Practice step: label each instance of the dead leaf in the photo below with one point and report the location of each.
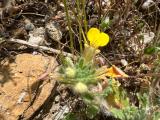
(115, 72)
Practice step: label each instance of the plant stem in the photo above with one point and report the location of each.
(69, 25)
(99, 11)
(80, 27)
(84, 13)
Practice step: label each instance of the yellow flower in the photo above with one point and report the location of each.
(97, 38)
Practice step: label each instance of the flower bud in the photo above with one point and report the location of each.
(80, 87)
(69, 61)
(89, 53)
(70, 72)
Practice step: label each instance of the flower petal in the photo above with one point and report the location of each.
(93, 35)
(103, 39)
(97, 38)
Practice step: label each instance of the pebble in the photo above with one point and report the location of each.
(53, 31)
(37, 36)
(148, 37)
(124, 62)
(28, 25)
(57, 99)
(147, 4)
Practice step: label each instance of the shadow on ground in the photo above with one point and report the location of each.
(6, 74)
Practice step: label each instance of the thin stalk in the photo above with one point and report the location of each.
(69, 25)
(80, 28)
(84, 13)
(99, 11)
(83, 34)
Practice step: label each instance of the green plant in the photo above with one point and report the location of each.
(82, 75)
(69, 24)
(78, 15)
(143, 112)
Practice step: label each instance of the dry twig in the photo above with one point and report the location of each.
(41, 47)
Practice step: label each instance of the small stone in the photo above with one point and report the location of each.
(62, 5)
(36, 40)
(53, 31)
(124, 62)
(57, 98)
(148, 37)
(36, 36)
(28, 25)
(147, 4)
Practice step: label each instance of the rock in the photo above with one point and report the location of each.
(62, 112)
(147, 4)
(57, 99)
(37, 36)
(53, 31)
(28, 25)
(148, 37)
(124, 62)
(19, 80)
